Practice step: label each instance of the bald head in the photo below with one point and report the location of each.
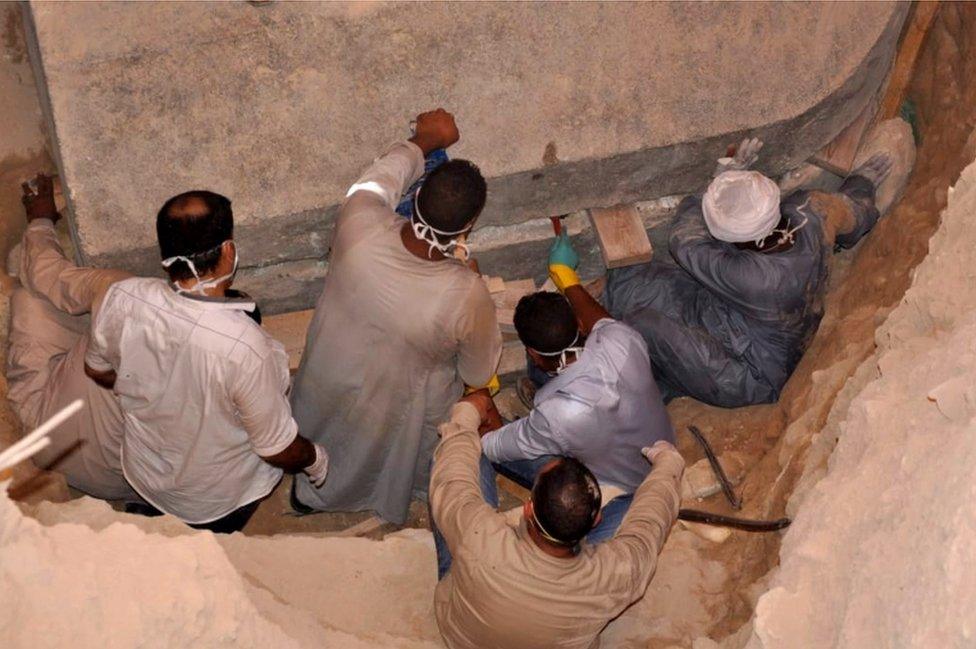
(194, 225)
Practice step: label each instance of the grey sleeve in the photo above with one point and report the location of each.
(524, 439)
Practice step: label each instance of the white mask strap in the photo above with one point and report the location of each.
(425, 232)
(787, 234)
(563, 354)
(201, 286)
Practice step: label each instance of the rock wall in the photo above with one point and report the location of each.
(880, 551)
(23, 141)
(565, 106)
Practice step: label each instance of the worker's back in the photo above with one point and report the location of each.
(503, 591)
(183, 364)
(393, 339)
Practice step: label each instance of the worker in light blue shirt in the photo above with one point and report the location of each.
(601, 406)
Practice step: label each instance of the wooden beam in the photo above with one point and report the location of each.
(623, 239)
(918, 23)
(838, 156)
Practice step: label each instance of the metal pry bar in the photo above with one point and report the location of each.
(723, 479)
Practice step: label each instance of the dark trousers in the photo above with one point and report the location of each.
(232, 522)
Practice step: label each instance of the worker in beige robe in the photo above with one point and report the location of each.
(401, 327)
(49, 322)
(534, 582)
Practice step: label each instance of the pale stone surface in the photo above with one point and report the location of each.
(565, 106)
(880, 550)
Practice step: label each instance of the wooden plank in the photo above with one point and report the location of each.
(838, 156)
(290, 330)
(494, 284)
(513, 488)
(506, 320)
(507, 300)
(918, 23)
(620, 231)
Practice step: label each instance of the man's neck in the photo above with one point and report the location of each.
(553, 550)
(418, 247)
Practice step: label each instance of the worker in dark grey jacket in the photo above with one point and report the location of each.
(728, 318)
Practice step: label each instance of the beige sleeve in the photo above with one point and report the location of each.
(479, 338)
(456, 502)
(384, 181)
(645, 528)
(45, 271)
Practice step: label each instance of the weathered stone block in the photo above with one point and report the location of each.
(564, 106)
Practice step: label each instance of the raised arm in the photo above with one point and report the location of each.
(563, 261)
(45, 270)
(456, 502)
(648, 522)
(391, 174)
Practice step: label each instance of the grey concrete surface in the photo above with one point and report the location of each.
(280, 105)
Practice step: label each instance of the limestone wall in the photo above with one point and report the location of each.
(564, 105)
(23, 142)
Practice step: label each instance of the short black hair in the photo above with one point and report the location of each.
(566, 499)
(194, 224)
(452, 196)
(545, 322)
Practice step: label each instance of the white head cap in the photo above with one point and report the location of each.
(741, 206)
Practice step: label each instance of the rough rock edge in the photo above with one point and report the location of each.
(934, 313)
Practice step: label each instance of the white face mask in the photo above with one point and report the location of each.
(426, 233)
(563, 354)
(201, 286)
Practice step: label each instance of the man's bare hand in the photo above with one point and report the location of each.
(490, 417)
(435, 130)
(39, 200)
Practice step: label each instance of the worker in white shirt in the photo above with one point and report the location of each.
(49, 308)
(202, 387)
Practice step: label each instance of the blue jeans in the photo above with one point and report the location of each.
(523, 472)
(489, 491)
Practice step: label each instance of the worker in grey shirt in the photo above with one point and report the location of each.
(601, 406)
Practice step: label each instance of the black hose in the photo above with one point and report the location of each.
(745, 524)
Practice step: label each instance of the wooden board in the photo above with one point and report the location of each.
(917, 26)
(290, 330)
(507, 300)
(838, 156)
(494, 284)
(623, 239)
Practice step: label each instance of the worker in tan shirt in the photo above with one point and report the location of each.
(534, 585)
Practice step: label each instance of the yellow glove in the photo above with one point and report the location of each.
(493, 385)
(563, 277)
